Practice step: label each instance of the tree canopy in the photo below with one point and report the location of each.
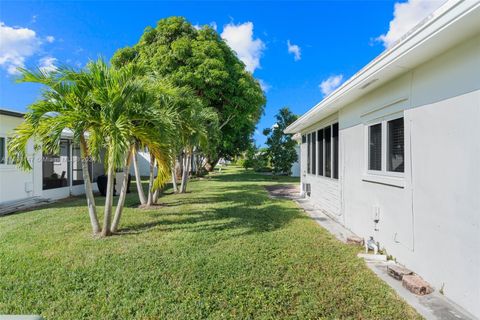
(202, 61)
(281, 147)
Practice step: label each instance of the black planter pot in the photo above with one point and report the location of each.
(129, 180)
(102, 184)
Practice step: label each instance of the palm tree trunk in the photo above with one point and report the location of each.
(186, 170)
(92, 209)
(150, 181)
(181, 162)
(210, 163)
(156, 195)
(108, 202)
(123, 192)
(138, 179)
(174, 177)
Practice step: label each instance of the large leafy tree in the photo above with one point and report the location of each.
(281, 147)
(202, 61)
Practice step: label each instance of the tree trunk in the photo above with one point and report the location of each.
(108, 202)
(198, 164)
(150, 181)
(186, 169)
(123, 192)
(156, 195)
(181, 162)
(210, 164)
(138, 179)
(174, 177)
(92, 209)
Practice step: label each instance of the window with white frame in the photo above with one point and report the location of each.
(322, 152)
(375, 147)
(314, 153)
(386, 146)
(327, 139)
(309, 151)
(9, 159)
(396, 147)
(335, 150)
(3, 152)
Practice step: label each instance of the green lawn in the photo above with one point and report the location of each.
(224, 250)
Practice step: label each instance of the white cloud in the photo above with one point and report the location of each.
(50, 39)
(240, 39)
(265, 86)
(407, 15)
(16, 45)
(212, 25)
(293, 48)
(329, 85)
(47, 64)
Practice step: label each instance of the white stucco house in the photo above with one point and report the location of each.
(295, 169)
(394, 152)
(52, 176)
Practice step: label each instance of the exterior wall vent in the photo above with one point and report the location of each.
(306, 189)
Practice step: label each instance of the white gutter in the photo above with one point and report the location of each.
(432, 25)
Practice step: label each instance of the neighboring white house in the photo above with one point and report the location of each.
(295, 169)
(394, 153)
(52, 176)
(143, 161)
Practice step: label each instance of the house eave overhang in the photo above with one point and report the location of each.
(11, 113)
(450, 24)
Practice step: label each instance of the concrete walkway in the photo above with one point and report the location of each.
(433, 306)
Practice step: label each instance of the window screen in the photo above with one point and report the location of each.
(375, 147)
(335, 150)
(314, 153)
(2, 150)
(309, 144)
(320, 152)
(328, 152)
(395, 155)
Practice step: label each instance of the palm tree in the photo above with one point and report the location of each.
(134, 110)
(114, 92)
(138, 179)
(196, 120)
(64, 105)
(152, 123)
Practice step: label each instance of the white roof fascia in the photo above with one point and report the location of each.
(416, 39)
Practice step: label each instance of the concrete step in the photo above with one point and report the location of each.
(416, 285)
(398, 272)
(356, 240)
(372, 257)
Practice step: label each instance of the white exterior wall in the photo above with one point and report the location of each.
(143, 160)
(430, 217)
(16, 184)
(295, 170)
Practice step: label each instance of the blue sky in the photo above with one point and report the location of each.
(292, 47)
